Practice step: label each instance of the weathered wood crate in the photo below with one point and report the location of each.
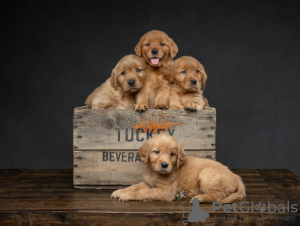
(106, 142)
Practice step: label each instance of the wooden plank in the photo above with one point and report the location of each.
(285, 183)
(61, 204)
(122, 167)
(128, 129)
(140, 218)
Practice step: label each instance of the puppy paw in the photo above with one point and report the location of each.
(182, 195)
(140, 107)
(162, 106)
(192, 107)
(118, 193)
(126, 197)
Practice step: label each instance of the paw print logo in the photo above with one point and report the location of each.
(261, 207)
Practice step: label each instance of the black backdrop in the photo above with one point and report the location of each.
(54, 53)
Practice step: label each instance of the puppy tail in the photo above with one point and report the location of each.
(238, 195)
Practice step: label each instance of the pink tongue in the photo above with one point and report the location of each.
(155, 60)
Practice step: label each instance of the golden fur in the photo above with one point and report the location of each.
(156, 91)
(205, 179)
(189, 76)
(116, 92)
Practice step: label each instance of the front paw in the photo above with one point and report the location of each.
(140, 107)
(118, 193)
(192, 107)
(162, 106)
(126, 197)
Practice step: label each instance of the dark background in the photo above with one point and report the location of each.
(54, 53)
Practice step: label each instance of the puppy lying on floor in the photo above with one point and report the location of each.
(158, 50)
(118, 92)
(186, 93)
(169, 171)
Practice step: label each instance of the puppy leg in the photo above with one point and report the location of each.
(141, 99)
(162, 100)
(213, 196)
(133, 188)
(158, 194)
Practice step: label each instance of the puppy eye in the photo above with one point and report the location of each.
(162, 44)
(183, 72)
(157, 152)
(123, 73)
(148, 44)
(172, 154)
(197, 71)
(138, 70)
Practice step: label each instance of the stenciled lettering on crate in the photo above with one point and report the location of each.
(106, 142)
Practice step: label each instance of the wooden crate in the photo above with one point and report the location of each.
(106, 142)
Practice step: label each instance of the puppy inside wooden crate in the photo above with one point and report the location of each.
(169, 171)
(189, 79)
(118, 92)
(158, 50)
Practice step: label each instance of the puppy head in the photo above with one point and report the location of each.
(129, 73)
(162, 153)
(189, 74)
(156, 47)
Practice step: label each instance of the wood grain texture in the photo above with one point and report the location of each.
(107, 129)
(47, 197)
(106, 142)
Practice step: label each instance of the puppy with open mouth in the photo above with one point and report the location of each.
(189, 78)
(158, 50)
(118, 92)
(168, 171)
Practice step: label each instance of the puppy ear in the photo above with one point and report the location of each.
(113, 79)
(181, 156)
(144, 150)
(204, 78)
(137, 49)
(173, 48)
(168, 72)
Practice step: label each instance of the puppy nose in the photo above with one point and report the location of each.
(154, 51)
(194, 82)
(131, 82)
(164, 165)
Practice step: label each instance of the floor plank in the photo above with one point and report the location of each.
(47, 197)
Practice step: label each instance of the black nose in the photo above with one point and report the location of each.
(194, 82)
(154, 51)
(131, 82)
(164, 165)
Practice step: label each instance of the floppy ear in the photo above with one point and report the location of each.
(137, 49)
(113, 79)
(181, 156)
(144, 150)
(168, 72)
(173, 48)
(204, 78)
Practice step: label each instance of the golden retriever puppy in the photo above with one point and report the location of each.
(189, 77)
(169, 171)
(118, 92)
(158, 50)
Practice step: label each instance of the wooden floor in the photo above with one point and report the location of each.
(47, 197)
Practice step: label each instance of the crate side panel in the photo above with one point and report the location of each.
(127, 129)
